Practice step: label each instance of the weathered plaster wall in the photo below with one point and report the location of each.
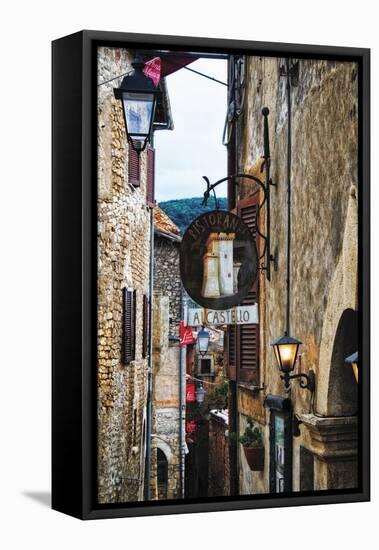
(166, 357)
(323, 215)
(123, 261)
(167, 277)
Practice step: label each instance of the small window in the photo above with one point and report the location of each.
(129, 326)
(205, 366)
(134, 167)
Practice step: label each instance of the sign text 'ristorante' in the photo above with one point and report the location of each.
(218, 260)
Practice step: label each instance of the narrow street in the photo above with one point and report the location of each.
(227, 275)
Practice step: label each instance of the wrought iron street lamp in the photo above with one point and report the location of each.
(202, 341)
(352, 360)
(286, 350)
(138, 95)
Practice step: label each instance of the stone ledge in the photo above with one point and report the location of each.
(332, 438)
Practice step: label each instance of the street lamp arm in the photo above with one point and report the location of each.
(306, 381)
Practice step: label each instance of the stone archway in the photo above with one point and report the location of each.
(339, 321)
(332, 428)
(342, 396)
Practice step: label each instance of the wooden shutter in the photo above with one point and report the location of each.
(248, 335)
(150, 183)
(129, 322)
(232, 342)
(145, 335)
(232, 351)
(134, 167)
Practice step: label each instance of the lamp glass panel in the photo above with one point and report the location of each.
(354, 366)
(203, 343)
(276, 350)
(287, 354)
(200, 394)
(203, 340)
(138, 109)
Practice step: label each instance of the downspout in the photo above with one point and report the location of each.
(289, 159)
(182, 371)
(147, 490)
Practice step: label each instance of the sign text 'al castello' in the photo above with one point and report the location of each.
(241, 315)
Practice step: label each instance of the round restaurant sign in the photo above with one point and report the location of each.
(218, 260)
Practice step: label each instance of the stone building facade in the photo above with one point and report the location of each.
(168, 378)
(124, 216)
(168, 417)
(323, 264)
(167, 241)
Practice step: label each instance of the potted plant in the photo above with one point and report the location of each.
(252, 443)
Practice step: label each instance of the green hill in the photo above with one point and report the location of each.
(183, 211)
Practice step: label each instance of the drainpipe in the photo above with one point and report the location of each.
(289, 159)
(182, 371)
(147, 491)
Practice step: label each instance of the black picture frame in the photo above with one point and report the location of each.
(74, 274)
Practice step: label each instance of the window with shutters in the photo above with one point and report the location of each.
(145, 335)
(134, 167)
(247, 336)
(150, 183)
(205, 366)
(129, 326)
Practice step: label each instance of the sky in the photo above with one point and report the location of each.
(194, 148)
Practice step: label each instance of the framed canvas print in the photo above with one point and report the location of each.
(210, 274)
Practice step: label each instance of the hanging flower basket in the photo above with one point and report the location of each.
(252, 443)
(255, 458)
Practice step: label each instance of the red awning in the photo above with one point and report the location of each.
(159, 67)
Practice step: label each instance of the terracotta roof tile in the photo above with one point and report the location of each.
(164, 223)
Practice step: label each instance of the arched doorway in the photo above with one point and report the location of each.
(342, 391)
(162, 474)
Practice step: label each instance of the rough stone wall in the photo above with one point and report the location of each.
(166, 357)
(123, 261)
(324, 189)
(167, 277)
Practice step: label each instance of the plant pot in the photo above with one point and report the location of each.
(255, 458)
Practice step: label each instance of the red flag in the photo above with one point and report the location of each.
(185, 335)
(152, 69)
(190, 392)
(157, 68)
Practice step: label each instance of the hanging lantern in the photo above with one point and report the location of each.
(202, 341)
(352, 361)
(286, 349)
(200, 394)
(138, 95)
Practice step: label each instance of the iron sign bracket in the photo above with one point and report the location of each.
(265, 187)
